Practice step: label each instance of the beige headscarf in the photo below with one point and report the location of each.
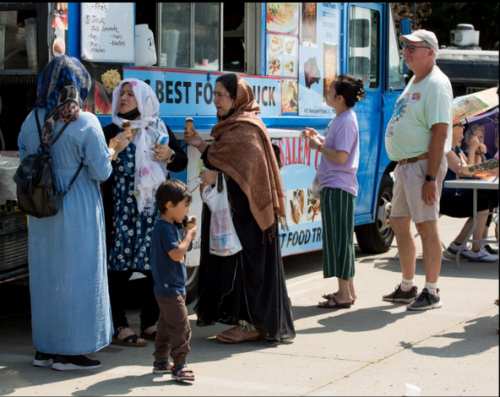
(242, 149)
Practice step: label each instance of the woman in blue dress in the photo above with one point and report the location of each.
(139, 166)
(67, 254)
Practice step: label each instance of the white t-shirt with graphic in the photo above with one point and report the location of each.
(420, 106)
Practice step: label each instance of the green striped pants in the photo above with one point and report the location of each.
(337, 214)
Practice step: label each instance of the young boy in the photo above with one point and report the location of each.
(169, 273)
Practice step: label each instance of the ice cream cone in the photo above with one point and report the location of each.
(189, 124)
(191, 222)
(127, 128)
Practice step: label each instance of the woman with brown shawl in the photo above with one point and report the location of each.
(246, 289)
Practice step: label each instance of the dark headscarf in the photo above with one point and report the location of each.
(62, 88)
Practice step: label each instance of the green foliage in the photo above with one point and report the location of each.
(441, 18)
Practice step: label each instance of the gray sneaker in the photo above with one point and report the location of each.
(425, 301)
(401, 296)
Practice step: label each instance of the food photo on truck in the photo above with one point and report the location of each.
(288, 52)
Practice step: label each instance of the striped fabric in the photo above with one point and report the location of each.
(337, 213)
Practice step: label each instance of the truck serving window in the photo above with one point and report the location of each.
(210, 36)
(190, 35)
(364, 27)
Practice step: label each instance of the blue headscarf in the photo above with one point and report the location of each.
(62, 88)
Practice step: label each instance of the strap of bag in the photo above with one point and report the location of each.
(40, 132)
(54, 141)
(73, 179)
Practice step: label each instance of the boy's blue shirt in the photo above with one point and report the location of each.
(169, 276)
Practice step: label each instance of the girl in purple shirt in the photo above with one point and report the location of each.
(339, 187)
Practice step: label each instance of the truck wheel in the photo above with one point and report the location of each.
(192, 283)
(377, 237)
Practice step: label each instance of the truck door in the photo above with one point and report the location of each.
(364, 61)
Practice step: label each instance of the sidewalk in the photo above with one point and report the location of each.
(374, 348)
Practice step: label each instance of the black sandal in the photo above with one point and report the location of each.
(130, 340)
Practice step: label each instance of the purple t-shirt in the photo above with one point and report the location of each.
(342, 134)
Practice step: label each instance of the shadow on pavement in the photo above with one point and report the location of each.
(358, 320)
(485, 271)
(125, 385)
(471, 341)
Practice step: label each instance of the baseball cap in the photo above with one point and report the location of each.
(422, 35)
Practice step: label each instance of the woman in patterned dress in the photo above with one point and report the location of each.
(129, 193)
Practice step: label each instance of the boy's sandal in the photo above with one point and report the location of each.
(164, 367)
(131, 340)
(179, 373)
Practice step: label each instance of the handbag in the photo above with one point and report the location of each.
(223, 238)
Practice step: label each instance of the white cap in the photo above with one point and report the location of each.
(422, 35)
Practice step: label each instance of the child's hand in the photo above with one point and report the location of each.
(190, 233)
(474, 145)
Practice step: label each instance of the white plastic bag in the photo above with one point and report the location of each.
(223, 238)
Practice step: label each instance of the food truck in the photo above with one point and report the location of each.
(468, 66)
(289, 53)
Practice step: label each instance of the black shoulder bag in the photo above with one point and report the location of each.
(37, 194)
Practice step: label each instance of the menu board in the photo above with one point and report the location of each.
(319, 56)
(108, 32)
(282, 26)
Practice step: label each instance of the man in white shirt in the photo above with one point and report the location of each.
(418, 137)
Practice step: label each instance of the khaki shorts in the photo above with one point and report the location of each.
(407, 192)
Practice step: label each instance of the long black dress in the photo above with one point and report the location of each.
(249, 285)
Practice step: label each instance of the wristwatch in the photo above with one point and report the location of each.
(171, 157)
(429, 178)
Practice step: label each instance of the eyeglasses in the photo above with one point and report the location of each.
(220, 95)
(411, 48)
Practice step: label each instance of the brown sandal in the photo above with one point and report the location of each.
(242, 337)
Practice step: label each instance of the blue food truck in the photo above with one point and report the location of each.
(288, 52)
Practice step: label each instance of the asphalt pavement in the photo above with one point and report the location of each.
(372, 349)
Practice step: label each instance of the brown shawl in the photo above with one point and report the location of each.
(242, 149)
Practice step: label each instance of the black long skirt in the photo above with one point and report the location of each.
(249, 285)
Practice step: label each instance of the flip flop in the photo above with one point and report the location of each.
(327, 305)
(329, 296)
(130, 340)
(223, 339)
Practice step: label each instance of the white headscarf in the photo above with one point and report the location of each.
(149, 172)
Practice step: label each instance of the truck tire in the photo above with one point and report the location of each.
(376, 238)
(192, 283)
